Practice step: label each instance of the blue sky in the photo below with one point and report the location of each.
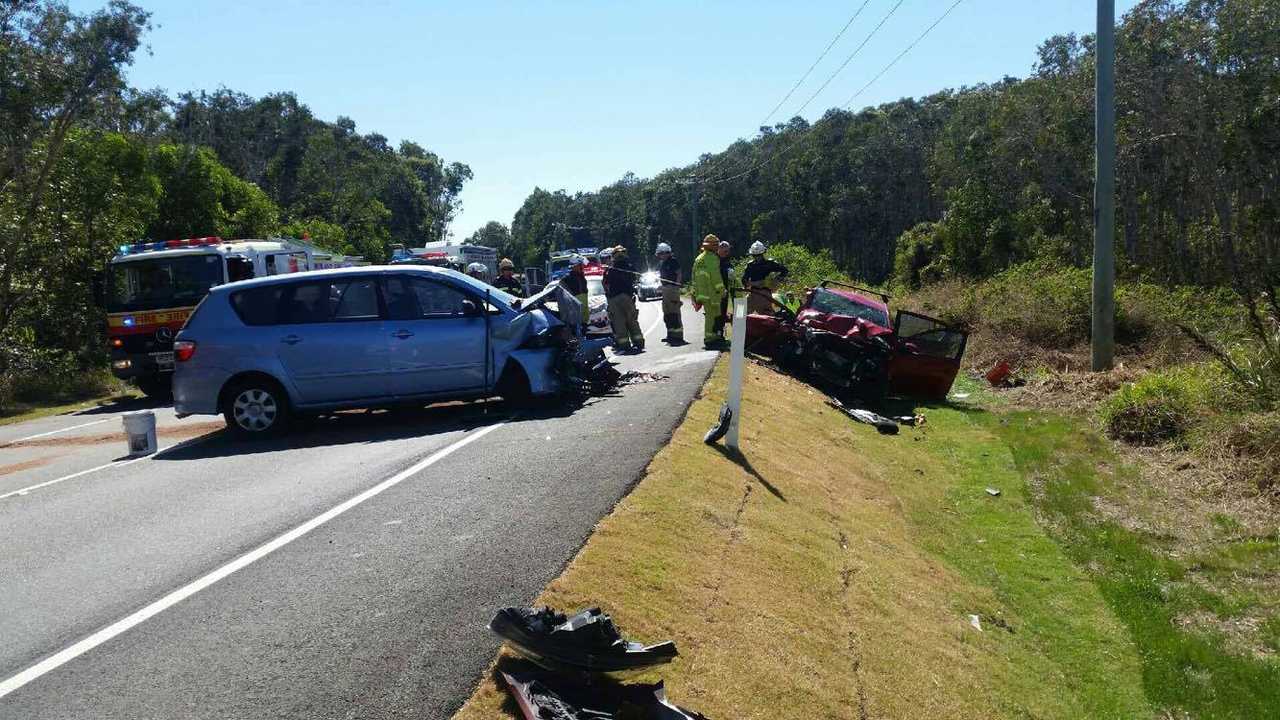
(573, 94)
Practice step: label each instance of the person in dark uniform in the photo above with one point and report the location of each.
(761, 278)
(507, 280)
(672, 281)
(620, 290)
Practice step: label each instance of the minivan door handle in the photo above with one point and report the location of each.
(402, 334)
(291, 339)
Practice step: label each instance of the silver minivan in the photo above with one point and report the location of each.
(261, 350)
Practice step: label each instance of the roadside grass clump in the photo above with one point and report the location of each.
(1163, 405)
(1254, 440)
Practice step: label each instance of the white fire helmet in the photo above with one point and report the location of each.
(757, 248)
(662, 248)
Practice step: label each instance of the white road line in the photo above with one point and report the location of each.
(114, 463)
(120, 626)
(654, 326)
(55, 432)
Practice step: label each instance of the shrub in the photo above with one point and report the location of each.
(806, 267)
(1039, 302)
(33, 374)
(1162, 405)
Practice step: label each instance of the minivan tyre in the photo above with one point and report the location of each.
(256, 408)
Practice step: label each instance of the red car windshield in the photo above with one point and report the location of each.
(826, 301)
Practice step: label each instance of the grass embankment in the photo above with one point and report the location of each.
(832, 572)
(55, 395)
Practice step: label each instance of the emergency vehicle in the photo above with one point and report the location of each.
(558, 265)
(153, 287)
(449, 254)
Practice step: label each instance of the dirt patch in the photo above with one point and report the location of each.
(1239, 633)
(184, 431)
(25, 465)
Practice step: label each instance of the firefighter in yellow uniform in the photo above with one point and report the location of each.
(710, 293)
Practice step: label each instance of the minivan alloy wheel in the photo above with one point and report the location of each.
(255, 409)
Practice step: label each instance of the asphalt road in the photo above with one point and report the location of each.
(344, 571)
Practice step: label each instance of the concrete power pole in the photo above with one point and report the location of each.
(1104, 192)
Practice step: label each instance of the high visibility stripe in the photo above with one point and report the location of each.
(154, 318)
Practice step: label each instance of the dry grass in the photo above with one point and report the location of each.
(797, 584)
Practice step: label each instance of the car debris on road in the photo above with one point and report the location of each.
(585, 642)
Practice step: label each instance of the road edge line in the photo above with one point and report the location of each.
(53, 662)
(114, 463)
(55, 432)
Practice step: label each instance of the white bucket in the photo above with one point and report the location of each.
(140, 431)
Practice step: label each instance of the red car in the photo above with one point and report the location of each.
(843, 335)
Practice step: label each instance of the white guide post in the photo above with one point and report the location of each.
(737, 359)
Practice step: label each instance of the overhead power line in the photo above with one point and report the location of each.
(833, 75)
(851, 100)
(715, 166)
(852, 55)
(804, 77)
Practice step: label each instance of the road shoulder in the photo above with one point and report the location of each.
(832, 572)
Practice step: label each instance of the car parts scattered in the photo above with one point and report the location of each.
(587, 641)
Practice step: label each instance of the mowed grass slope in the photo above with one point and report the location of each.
(832, 572)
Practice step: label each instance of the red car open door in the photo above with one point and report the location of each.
(927, 358)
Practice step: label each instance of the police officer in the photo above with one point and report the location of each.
(761, 278)
(620, 291)
(506, 279)
(672, 278)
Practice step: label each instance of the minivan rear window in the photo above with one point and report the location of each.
(259, 305)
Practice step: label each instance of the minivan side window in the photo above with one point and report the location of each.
(411, 298)
(259, 305)
(338, 300)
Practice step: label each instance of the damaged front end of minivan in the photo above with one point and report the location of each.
(545, 354)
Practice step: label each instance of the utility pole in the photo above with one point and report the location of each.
(693, 207)
(1104, 191)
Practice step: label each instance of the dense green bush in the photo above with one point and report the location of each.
(1163, 405)
(806, 267)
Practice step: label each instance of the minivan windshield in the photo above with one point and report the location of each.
(163, 282)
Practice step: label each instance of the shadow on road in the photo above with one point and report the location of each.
(372, 426)
(124, 403)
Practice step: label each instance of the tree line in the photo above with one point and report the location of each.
(88, 163)
(967, 182)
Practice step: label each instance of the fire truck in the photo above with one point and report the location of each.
(153, 287)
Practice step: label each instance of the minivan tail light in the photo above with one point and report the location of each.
(183, 350)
